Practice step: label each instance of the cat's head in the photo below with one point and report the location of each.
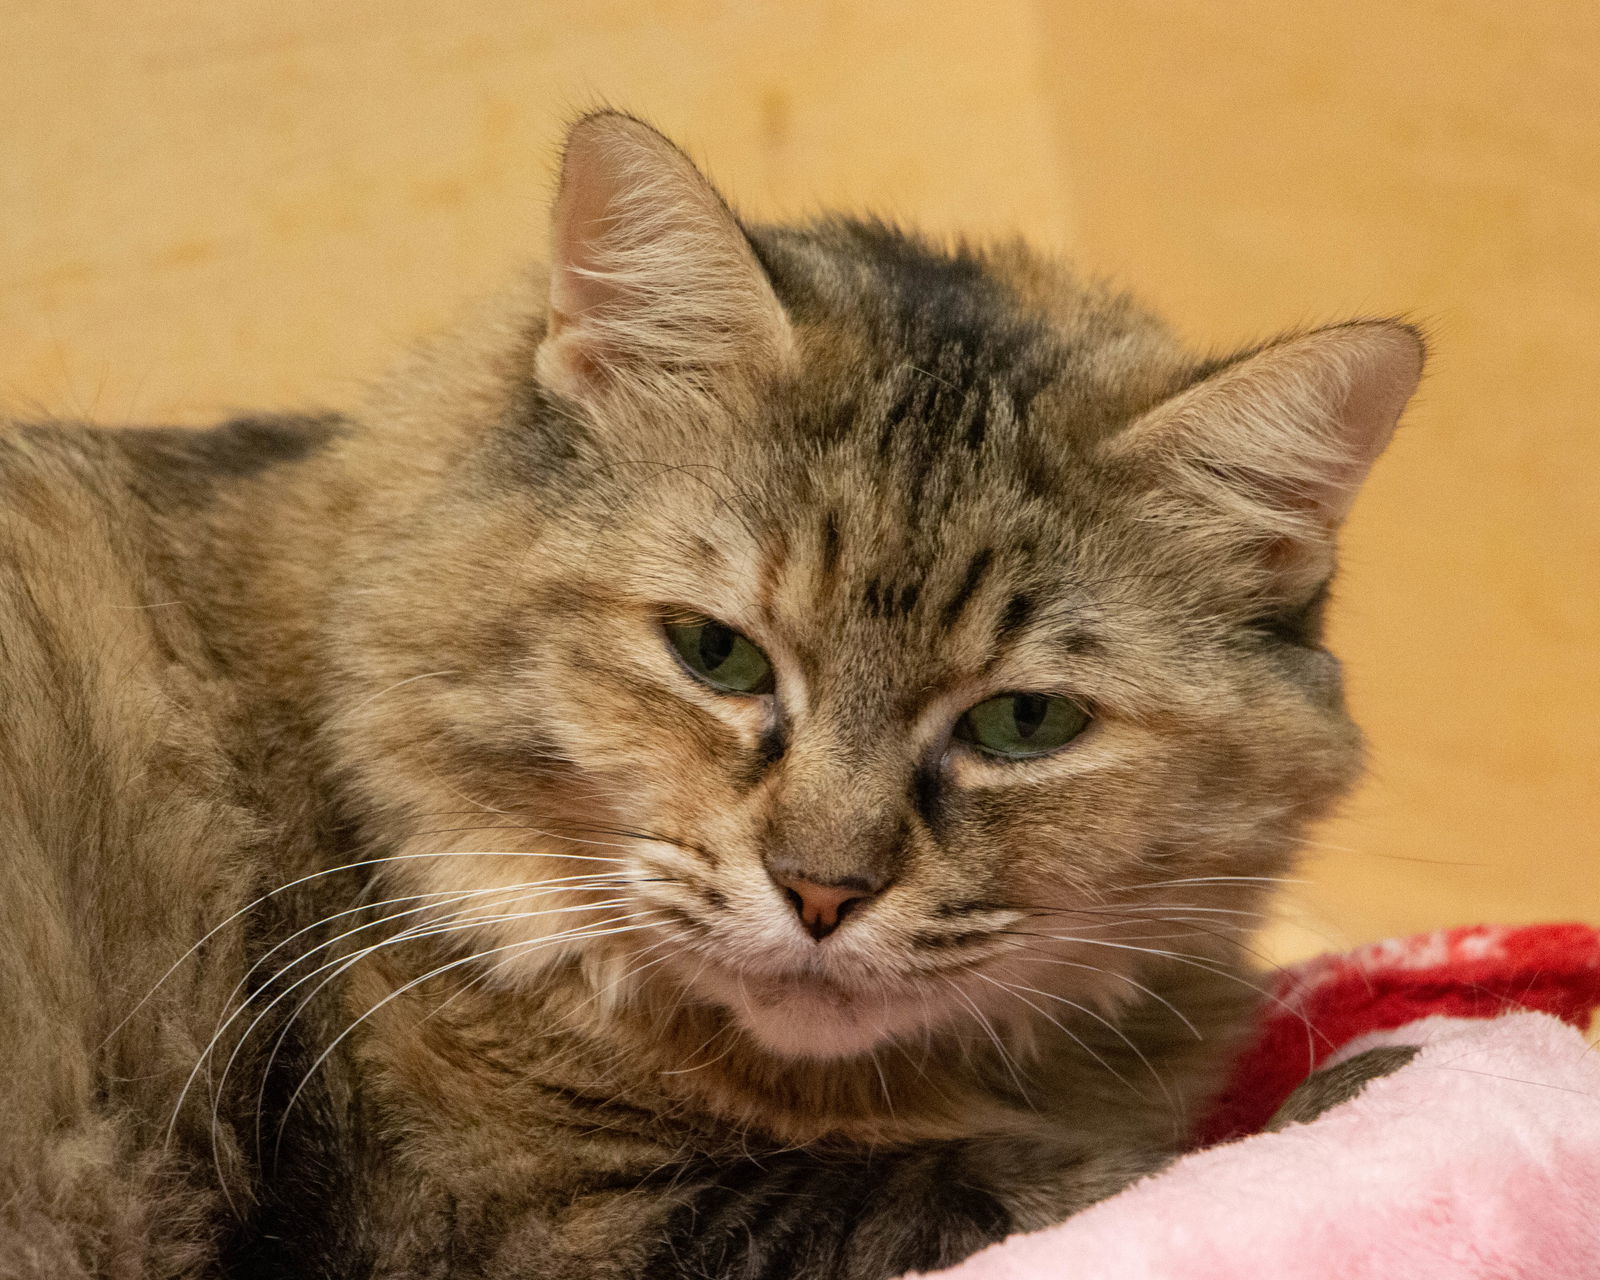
(857, 636)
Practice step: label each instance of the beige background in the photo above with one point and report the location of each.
(208, 206)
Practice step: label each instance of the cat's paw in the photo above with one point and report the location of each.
(1328, 1088)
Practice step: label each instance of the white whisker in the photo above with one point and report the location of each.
(1133, 982)
(994, 1037)
(398, 684)
(575, 935)
(306, 879)
(1017, 989)
(1198, 963)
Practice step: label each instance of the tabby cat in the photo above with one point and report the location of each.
(757, 757)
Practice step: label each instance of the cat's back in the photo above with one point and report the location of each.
(119, 840)
(86, 642)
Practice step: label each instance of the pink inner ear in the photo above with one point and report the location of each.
(623, 187)
(1378, 367)
(580, 219)
(575, 290)
(1379, 395)
(652, 279)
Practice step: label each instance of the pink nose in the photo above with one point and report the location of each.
(821, 907)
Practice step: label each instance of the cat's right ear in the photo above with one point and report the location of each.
(654, 288)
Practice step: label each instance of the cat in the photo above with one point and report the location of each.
(756, 756)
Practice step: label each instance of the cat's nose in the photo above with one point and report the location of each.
(822, 907)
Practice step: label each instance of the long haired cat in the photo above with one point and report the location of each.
(758, 757)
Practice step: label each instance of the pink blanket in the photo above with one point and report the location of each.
(1480, 1158)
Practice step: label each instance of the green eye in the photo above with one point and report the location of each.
(720, 656)
(1019, 725)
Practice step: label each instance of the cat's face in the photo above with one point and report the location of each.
(912, 684)
(877, 625)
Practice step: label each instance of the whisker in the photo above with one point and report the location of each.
(1198, 963)
(523, 944)
(733, 1042)
(883, 1081)
(1167, 884)
(344, 715)
(411, 933)
(1016, 990)
(203, 1061)
(1133, 982)
(592, 880)
(531, 830)
(611, 986)
(1234, 940)
(456, 922)
(306, 879)
(1171, 906)
(1000, 1048)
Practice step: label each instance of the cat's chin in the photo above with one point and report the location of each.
(802, 1018)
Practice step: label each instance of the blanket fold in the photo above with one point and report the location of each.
(1477, 1160)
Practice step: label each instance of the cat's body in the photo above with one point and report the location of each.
(351, 655)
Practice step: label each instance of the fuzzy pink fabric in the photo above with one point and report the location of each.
(1478, 1160)
(1475, 971)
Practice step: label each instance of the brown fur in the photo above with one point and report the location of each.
(417, 651)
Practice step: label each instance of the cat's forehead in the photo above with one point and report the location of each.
(925, 351)
(872, 555)
(904, 579)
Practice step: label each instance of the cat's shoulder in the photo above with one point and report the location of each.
(97, 650)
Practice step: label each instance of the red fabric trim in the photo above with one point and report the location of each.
(1478, 971)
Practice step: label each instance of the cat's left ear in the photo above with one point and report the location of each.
(1268, 453)
(654, 288)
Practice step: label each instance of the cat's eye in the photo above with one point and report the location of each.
(1016, 726)
(720, 656)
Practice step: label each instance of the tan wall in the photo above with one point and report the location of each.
(210, 206)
